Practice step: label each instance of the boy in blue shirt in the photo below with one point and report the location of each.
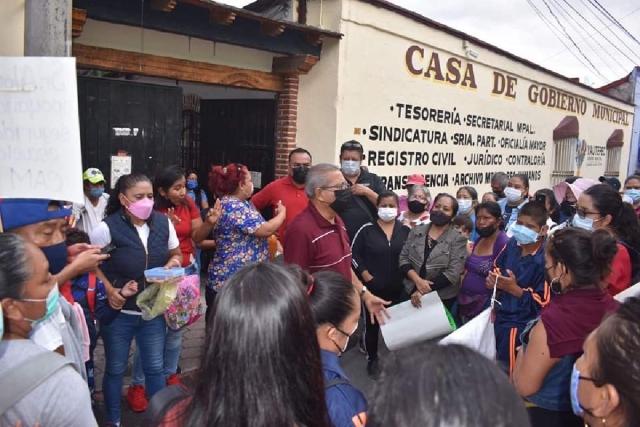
(519, 276)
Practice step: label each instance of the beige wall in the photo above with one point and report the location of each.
(122, 37)
(373, 78)
(12, 28)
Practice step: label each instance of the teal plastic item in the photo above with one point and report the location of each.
(161, 273)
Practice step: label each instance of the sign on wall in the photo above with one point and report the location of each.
(39, 130)
(458, 122)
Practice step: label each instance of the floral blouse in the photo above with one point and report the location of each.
(235, 244)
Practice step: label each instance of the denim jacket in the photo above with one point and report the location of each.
(447, 257)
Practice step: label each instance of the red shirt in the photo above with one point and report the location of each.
(315, 244)
(620, 277)
(186, 213)
(293, 198)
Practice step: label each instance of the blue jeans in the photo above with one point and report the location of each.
(117, 337)
(172, 347)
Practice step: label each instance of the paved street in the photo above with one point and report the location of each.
(353, 362)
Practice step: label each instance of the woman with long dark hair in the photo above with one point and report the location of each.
(576, 263)
(605, 382)
(336, 308)
(194, 192)
(143, 239)
(474, 295)
(261, 365)
(601, 206)
(171, 200)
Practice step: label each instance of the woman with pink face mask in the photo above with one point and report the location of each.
(143, 239)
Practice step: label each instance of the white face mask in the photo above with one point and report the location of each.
(513, 194)
(464, 206)
(387, 214)
(346, 344)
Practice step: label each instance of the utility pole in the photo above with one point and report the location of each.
(47, 28)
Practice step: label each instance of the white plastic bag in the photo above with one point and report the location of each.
(478, 334)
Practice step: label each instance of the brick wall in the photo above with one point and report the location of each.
(287, 123)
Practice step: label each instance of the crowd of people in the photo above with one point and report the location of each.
(566, 350)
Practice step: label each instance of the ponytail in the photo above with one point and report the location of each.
(225, 180)
(123, 183)
(604, 248)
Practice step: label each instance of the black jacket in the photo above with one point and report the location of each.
(360, 210)
(372, 251)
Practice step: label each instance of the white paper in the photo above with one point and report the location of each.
(633, 291)
(409, 325)
(39, 129)
(477, 334)
(120, 165)
(256, 177)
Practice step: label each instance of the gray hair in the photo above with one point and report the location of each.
(500, 178)
(416, 188)
(317, 177)
(15, 266)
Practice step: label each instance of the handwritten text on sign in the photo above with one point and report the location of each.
(39, 129)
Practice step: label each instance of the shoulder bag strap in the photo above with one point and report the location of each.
(334, 382)
(27, 375)
(363, 205)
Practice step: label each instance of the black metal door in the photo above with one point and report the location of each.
(241, 131)
(143, 120)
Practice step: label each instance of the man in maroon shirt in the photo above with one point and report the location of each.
(317, 240)
(289, 190)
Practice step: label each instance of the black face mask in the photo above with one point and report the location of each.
(500, 194)
(486, 231)
(416, 206)
(439, 218)
(299, 174)
(343, 197)
(567, 208)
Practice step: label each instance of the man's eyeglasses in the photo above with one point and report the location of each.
(342, 186)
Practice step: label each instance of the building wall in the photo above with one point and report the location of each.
(375, 84)
(12, 28)
(132, 39)
(634, 155)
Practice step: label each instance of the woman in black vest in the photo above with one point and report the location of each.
(143, 239)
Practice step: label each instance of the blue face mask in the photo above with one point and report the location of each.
(1, 323)
(192, 185)
(575, 384)
(96, 192)
(586, 223)
(523, 235)
(350, 167)
(634, 194)
(52, 305)
(57, 257)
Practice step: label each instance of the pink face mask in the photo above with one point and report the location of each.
(141, 209)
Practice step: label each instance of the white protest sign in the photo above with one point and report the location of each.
(39, 129)
(409, 325)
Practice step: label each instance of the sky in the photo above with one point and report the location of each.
(514, 25)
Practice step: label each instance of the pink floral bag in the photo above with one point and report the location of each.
(187, 307)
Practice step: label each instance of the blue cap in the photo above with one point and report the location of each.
(16, 213)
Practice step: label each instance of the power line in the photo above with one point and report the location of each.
(572, 41)
(609, 27)
(556, 32)
(577, 27)
(610, 16)
(598, 43)
(594, 34)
